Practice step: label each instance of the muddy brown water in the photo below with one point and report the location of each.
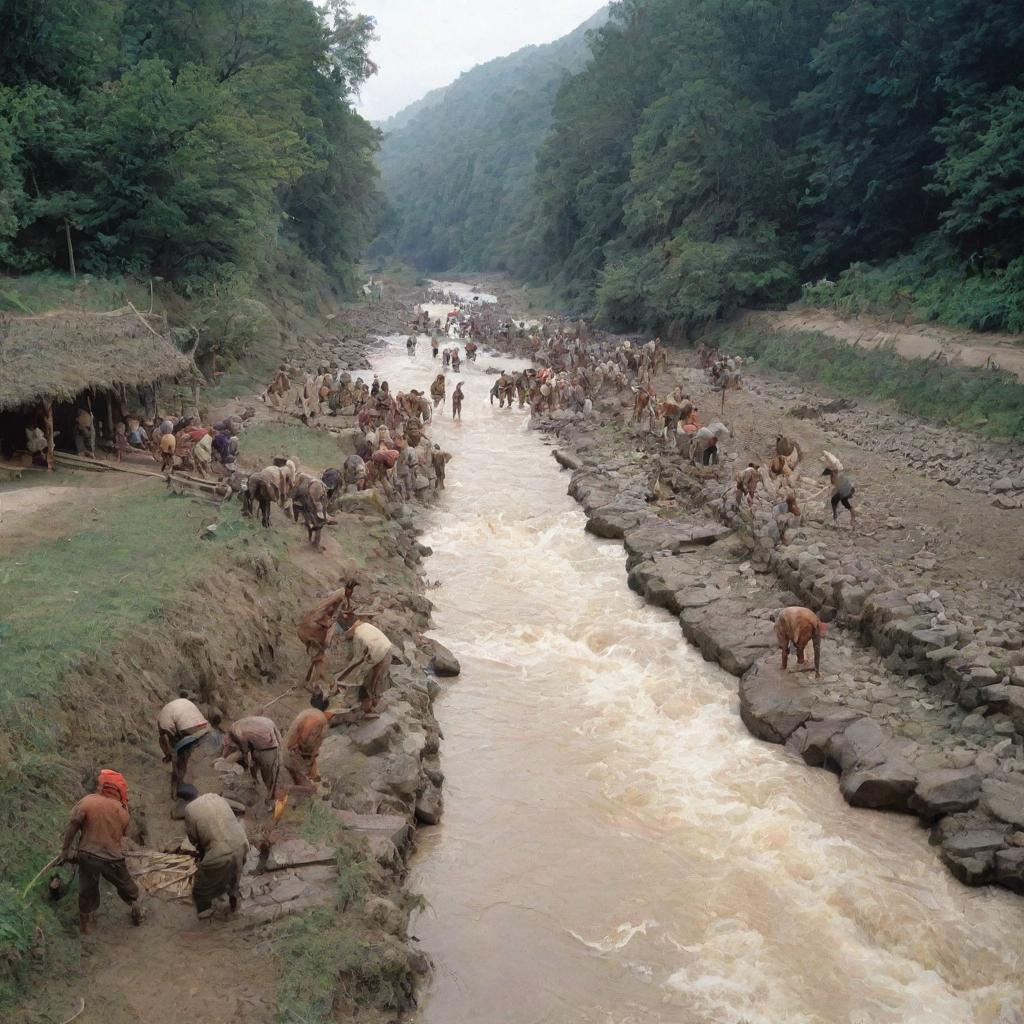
(616, 849)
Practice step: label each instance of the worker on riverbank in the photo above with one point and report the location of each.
(319, 626)
(258, 741)
(221, 845)
(180, 726)
(168, 446)
(842, 491)
(101, 821)
(457, 397)
(797, 627)
(747, 482)
(305, 736)
(371, 651)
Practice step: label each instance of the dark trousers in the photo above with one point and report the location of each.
(91, 869)
(215, 878)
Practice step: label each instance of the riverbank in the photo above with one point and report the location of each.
(918, 708)
(322, 929)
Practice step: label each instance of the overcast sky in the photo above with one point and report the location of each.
(427, 43)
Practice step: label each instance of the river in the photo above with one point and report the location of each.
(615, 848)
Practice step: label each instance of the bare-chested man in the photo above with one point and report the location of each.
(800, 626)
(457, 397)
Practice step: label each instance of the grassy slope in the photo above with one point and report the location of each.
(989, 401)
(62, 602)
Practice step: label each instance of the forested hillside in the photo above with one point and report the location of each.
(188, 140)
(718, 153)
(458, 166)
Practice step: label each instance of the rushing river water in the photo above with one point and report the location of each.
(616, 849)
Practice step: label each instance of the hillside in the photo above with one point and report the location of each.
(458, 165)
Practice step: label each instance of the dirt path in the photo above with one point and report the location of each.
(912, 341)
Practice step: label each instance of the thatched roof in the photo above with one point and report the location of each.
(59, 355)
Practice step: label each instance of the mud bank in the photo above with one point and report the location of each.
(323, 924)
(921, 706)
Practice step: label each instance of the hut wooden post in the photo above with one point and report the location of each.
(48, 430)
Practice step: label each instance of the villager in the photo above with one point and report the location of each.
(260, 491)
(747, 481)
(800, 626)
(305, 736)
(410, 345)
(85, 433)
(319, 626)
(842, 491)
(258, 741)
(221, 845)
(437, 391)
(457, 397)
(372, 654)
(180, 726)
(101, 820)
(168, 446)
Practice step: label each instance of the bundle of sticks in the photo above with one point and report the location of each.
(166, 875)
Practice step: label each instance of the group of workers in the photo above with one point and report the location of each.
(98, 825)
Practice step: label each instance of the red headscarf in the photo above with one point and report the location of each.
(112, 784)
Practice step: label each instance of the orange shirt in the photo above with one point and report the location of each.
(307, 732)
(103, 823)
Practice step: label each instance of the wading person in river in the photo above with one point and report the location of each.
(221, 845)
(101, 820)
(437, 392)
(797, 627)
(180, 726)
(457, 397)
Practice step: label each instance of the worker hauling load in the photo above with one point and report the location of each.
(101, 820)
(797, 627)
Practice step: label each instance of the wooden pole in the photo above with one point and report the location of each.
(71, 250)
(48, 429)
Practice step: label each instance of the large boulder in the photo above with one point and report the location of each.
(722, 633)
(1003, 797)
(775, 704)
(665, 536)
(945, 791)
(877, 769)
(443, 662)
(612, 521)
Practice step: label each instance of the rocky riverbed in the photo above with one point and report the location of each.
(920, 708)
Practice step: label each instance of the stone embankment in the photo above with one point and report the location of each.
(920, 708)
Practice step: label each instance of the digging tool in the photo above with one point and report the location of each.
(46, 867)
(79, 1009)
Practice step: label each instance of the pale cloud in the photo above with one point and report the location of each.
(424, 44)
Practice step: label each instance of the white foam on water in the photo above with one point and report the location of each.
(598, 775)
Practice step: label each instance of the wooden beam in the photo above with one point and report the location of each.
(48, 429)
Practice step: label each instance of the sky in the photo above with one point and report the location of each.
(424, 44)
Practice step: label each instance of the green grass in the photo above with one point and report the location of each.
(62, 602)
(315, 449)
(988, 401)
(931, 282)
(37, 293)
(324, 957)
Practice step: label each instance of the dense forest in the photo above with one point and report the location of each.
(187, 140)
(719, 153)
(458, 165)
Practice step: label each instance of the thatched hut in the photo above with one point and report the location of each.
(52, 366)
